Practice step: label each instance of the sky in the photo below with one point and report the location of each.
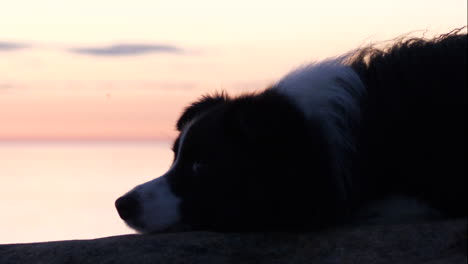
(124, 70)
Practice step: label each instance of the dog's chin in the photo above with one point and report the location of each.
(142, 228)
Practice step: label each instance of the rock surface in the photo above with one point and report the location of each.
(429, 243)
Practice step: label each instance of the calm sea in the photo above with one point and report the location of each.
(66, 190)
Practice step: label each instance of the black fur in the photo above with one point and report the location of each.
(253, 151)
(413, 138)
(265, 167)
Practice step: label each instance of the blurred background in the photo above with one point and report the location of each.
(90, 90)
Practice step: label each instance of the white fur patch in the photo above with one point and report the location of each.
(329, 92)
(316, 87)
(159, 205)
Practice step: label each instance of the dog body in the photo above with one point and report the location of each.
(319, 146)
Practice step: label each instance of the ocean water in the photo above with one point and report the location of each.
(66, 190)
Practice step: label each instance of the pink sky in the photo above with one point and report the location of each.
(60, 77)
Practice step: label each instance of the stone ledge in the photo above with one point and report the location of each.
(434, 243)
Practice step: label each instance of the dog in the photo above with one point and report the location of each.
(327, 145)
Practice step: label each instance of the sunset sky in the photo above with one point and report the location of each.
(125, 69)
(85, 84)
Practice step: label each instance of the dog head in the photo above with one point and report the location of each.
(247, 163)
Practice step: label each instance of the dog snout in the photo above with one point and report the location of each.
(127, 206)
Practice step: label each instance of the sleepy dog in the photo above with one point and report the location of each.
(325, 145)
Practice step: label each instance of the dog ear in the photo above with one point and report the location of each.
(206, 103)
(272, 119)
(251, 123)
(262, 117)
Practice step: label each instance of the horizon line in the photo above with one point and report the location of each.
(85, 140)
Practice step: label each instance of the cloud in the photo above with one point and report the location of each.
(7, 87)
(116, 50)
(127, 49)
(10, 46)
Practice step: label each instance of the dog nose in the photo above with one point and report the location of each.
(127, 207)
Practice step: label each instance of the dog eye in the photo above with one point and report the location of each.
(196, 167)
